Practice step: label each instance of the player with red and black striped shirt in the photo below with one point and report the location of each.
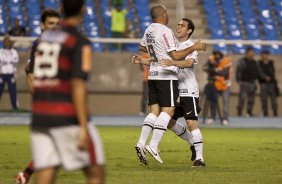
(49, 20)
(60, 132)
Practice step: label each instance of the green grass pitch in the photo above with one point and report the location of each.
(231, 155)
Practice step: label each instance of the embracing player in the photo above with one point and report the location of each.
(189, 92)
(160, 43)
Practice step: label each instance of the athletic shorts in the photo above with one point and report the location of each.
(189, 108)
(163, 92)
(59, 147)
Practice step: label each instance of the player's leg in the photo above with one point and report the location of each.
(24, 176)
(168, 99)
(90, 160)
(95, 174)
(263, 99)
(191, 111)
(46, 176)
(181, 131)
(148, 123)
(146, 131)
(45, 157)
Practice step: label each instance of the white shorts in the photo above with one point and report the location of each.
(59, 147)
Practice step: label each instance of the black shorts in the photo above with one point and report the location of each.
(163, 92)
(189, 108)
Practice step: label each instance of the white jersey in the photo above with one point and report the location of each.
(187, 82)
(159, 41)
(8, 60)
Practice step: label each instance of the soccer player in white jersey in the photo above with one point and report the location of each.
(160, 43)
(189, 93)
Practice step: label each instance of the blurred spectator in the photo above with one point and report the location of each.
(118, 26)
(268, 83)
(219, 70)
(246, 75)
(8, 60)
(17, 30)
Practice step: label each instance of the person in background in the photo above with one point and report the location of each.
(8, 60)
(268, 83)
(17, 30)
(220, 74)
(118, 25)
(246, 75)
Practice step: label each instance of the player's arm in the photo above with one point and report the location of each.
(78, 85)
(29, 67)
(137, 59)
(181, 55)
(188, 63)
(143, 49)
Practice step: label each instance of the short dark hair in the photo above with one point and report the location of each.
(190, 25)
(249, 48)
(71, 8)
(157, 11)
(265, 52)
(49, 13)
(217, 52)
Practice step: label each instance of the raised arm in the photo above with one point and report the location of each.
(181, 55)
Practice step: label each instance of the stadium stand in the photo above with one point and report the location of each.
(261, 20)
(28, 12)
(226, 19)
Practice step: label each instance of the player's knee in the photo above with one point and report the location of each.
(192, 124)
(155, 109)
(168, 110)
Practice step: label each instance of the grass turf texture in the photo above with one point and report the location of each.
(231, 155)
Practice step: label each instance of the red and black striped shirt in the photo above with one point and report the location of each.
(58, 59)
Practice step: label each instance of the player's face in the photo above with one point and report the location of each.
(50, 23)
(181, 29)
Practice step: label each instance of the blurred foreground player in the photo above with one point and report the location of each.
(60, 133)
(49, 20)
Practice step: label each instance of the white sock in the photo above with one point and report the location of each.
(198, 143)
(159, 129)
(181, 131)
(147, 128)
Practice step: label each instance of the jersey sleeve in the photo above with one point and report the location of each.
(193, 55)
(143, 40)
(169, 40)
(82, 60)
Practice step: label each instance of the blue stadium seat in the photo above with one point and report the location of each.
(54, 4)
(221, 47)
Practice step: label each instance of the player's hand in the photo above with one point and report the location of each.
(83, 139)
(200, 46)
(166, 62)
(136, 59)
